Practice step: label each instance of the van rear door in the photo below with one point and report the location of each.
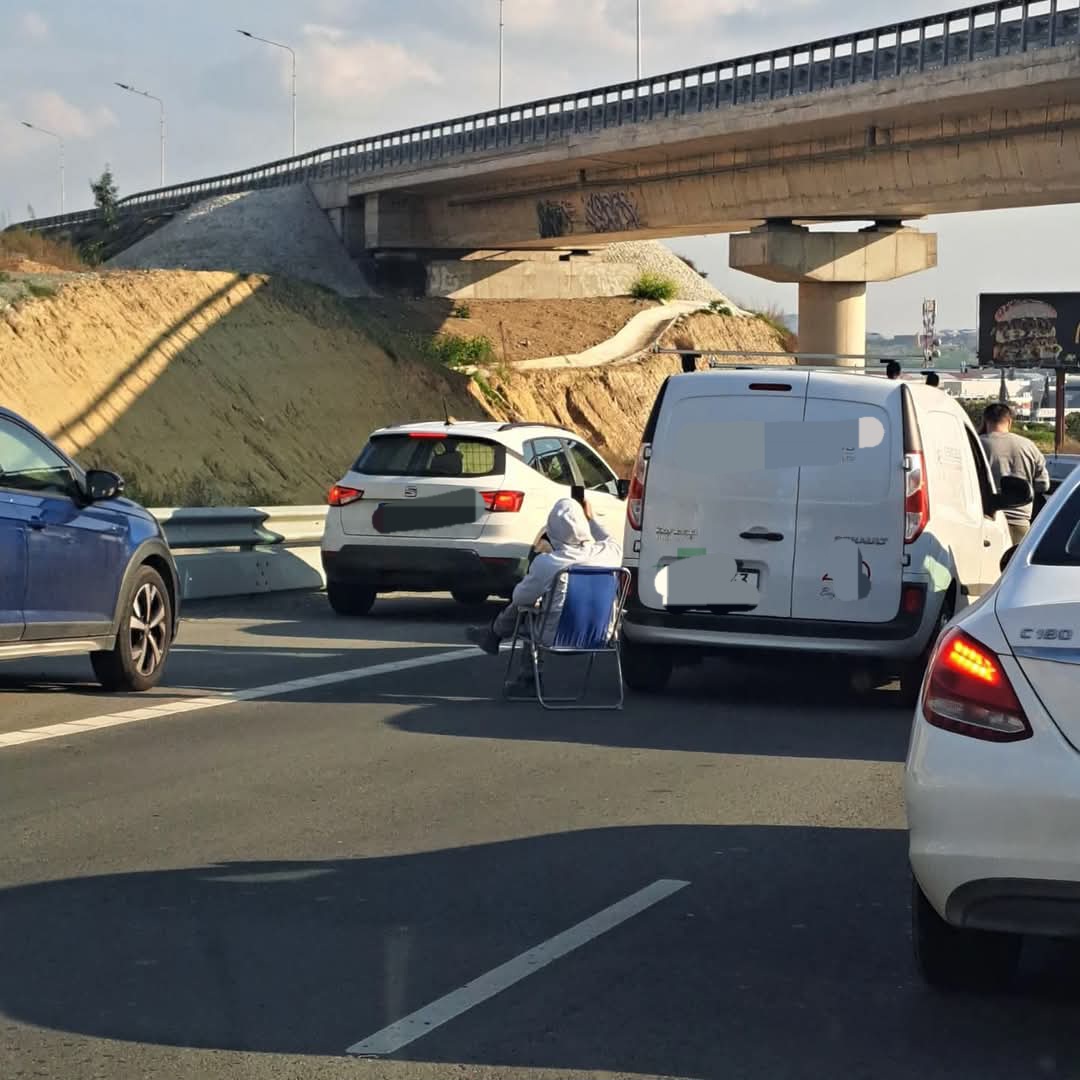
(850, 539)
(714, 500)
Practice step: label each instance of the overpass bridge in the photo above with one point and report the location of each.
(975, 109)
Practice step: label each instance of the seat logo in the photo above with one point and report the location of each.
(410, 493)
(1046, 633)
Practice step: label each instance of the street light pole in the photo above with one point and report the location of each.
(278, 45)
(161, 120)
(34, 127)
(500, 53)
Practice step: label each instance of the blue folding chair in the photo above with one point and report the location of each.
(588, 625)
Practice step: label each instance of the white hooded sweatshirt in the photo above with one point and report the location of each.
(575, 541)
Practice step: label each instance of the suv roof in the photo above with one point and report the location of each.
(515, 434)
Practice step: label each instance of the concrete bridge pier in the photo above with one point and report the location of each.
(832, 270)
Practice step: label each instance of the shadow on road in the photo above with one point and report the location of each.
(787, 955)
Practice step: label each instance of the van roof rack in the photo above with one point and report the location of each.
(522, 423)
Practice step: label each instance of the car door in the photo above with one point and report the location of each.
(601, 484)
(13, 519)
(75, 553)
(994, 530)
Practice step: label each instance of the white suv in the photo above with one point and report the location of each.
(455, 507)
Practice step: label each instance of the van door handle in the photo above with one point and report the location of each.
(773, 537)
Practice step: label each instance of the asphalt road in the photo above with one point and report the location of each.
(280, 855)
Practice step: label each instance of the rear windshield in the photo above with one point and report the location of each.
(449, 455)
(1061, 544)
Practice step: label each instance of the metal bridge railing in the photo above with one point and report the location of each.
(980, 32)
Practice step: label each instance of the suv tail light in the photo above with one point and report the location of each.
(968, 693)
(635, 497)
(916, 497)
(342, 496)
(503, 502)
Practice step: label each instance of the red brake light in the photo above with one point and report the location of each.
(342, 496)
(504, 502)
(427, 434)
(635, 498)
(916, 497)
(968, 693)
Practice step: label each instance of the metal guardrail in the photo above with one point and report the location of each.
(241, 550)
(979, 32)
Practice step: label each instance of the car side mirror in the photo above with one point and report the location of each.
(1007, 558)
(102, 485)
(622, 488)
(1013, 491)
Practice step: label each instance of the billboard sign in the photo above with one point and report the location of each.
(1029, 330)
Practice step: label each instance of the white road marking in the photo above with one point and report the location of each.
(412, 1027)
(285, 654)
(173, 708)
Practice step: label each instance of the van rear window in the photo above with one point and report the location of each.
(1061, 544)
(448, 455)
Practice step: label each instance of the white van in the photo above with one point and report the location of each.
(799, 510)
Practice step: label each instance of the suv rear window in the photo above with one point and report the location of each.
(1061, 544)
(448, 455)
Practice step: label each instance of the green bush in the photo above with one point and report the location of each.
(40, 291)
(460, 311)
(650, 286)
(720, 307)
(458, 352)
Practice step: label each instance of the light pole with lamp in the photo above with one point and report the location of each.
(161, 121)
(278, 45)
(34, 127)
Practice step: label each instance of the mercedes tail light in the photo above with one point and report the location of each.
(968, 692)
(916, 497)
(635, 499)
(342, 496)
(503, 502)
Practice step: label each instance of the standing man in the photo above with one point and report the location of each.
(1013, 455)
(892, 370)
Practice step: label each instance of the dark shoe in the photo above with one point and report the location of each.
(483, 638)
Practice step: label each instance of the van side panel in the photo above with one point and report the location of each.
(717, 502)
(849, 548)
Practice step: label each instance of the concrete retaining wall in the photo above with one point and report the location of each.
(503, 279)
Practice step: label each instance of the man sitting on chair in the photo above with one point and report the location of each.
(576, 539)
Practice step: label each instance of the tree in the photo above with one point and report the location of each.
(106, 196)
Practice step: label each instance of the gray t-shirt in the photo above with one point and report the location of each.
(1013, 455)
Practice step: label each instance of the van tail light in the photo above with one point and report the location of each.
(916, 497)
(342, 496)
(635, 498)
(503, 502)
(968, 693)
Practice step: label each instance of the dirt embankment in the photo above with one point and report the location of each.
(206, 388)
(210, 388)
(609, 405)
(517, 329)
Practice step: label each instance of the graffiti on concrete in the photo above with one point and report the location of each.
(555, 217)
(611, 211)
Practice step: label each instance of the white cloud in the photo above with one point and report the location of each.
(340, 69)
(33, 26)
(49, 109)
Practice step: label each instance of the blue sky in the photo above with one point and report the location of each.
(366, 66)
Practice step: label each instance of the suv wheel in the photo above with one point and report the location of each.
(646, 669)
(349, 599)
(470, 597)
(950, 958)
(137, 661)
(911, 677)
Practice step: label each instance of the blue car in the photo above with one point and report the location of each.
(82, 570)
